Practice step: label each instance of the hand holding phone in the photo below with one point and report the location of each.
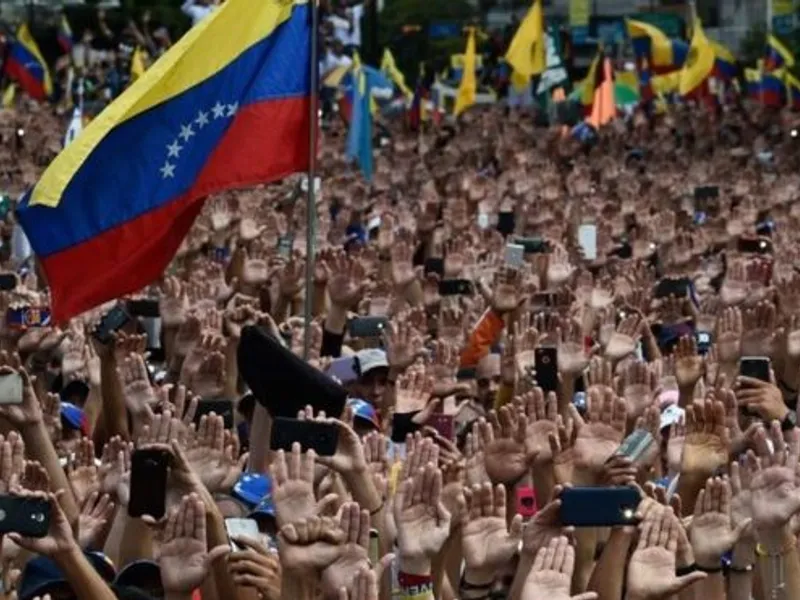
(246, 528)
(599, 506)
(322, 438)
(148, 495)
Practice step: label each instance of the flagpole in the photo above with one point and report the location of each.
(311, 199)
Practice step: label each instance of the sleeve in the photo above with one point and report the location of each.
(331, 344)
(482, 337)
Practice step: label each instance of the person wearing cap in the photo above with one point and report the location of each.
(365, 417)
(373, 376)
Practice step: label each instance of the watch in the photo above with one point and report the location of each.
(789, 421)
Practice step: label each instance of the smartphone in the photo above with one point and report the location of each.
(241, 528)
(546, 361)
(285, 244)
(526, 502)
(635, 445)
(703, 342)
(219, 406)
(587, 238)
(8, 281)
(112, 321)
(534, 245)
(515, 255)
(466, 373)
(312, 435)
(456, 287)
(367, 327)
(444, 425)
(344, 368)
(29, 517)
(672, 287)
(754, 246)
(148, 483)
(146, 307)
(22, 318)
(434, 265)
(374, 549)
(10, 389)
(703, 192)
(756, 367)
(506, 223)
(599, 506)
(483, 221)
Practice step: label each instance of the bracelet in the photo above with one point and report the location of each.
(741, 570)
(406, 580)
(787, 547)
(681, 571)
(467, 586)
(372, 513)
(709, 570)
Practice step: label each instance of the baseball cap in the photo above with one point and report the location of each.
(42, 576)
(251, 488)
(265, 508)
(143, 574)
(364, 410)
(74, 417)
(371, 358)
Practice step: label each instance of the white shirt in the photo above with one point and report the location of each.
(196, 12)
(355, 13)
(341, 29)
(332, 61)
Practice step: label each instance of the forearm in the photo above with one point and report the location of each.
(711, 588)
(336, 320)
(584, 557)
(413, 293)
(318, 304)
(84, 580)
(778, 564)
(136, 542)
(686, 396)
(364, 492)
(298, 586)
(218, 536)
(260, 431)
(93, 406)
(282, 306)
(608, 576)
(524, 567)
(231, 369)
(39, 447)
(115, 416)
(740, 576)
(566, 391)
(689, 485)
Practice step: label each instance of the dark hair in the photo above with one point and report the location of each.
(124, 592)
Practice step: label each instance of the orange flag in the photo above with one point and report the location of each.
(604, 108)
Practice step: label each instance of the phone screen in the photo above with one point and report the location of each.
(515, 255)
(10, 389)
(148, 483)
(241, 528)
(755, 367)
(311, 435)
(587, 238)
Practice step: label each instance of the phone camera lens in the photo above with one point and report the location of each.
(627, 514)
(38, 517)
(2, 515)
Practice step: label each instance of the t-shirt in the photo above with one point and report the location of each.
(341, 29)
(332, 61)
(196, 12)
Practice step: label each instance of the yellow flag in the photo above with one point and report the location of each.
(137, 64)
(389, 67)
(526, 54)
(9, 95)
(699, 63)
(519, 82)
(469, 85)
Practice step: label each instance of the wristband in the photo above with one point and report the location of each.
(747, 569)
(681, 571)
(415, 586)
(709, 570)
(762, 551)
(468, 587)
(409, 579)
(379, 509)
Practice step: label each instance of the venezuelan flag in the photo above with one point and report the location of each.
(752, 79)
(228, 105)
(662, 53)
(65, 39)
(772, 91)
(777, 55)
(25, 64)
(793, 87)
(724, 61)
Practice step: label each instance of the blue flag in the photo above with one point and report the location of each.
(359, 138)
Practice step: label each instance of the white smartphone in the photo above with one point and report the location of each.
(241, 527)
(10, 389)
(483, 221)
(587, 238)
(515, 255)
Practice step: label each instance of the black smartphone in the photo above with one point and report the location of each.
(672, 287)
(534, 245)
(704, 192)
(112, 321)
(26, 516)
(506, 223)
(546, 361)
(322, 438)
(599, 506)
(8, 281)
(434, 265)
(147, 308)
(754, 246)
(285, 245)
(221, 407)
(703, 342)
(755, 367)
(466, 373)
(635, 445)
(148, 483)
(367, 327)
(456, 287)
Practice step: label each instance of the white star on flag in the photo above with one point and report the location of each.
(186, 132)
(202, 119)
(168, 170)
(174, 149)
(218, 110)
(232, 108)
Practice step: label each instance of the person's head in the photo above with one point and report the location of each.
(487, 376)
(365, 417)
(373, 375)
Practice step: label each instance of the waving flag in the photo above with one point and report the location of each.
(389, 68)
(137, 63)
(700, 63)
(724, 63)
(526, 53)
(468, 86)
(778, 55)
(662, 53)
(228, 105)
(359, 138)
(26, 65)
(65, 39)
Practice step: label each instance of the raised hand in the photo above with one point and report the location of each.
(346, 283)
(255, 567)
(293, 485)
(707, 439)
(651, 569)
(209, 457)
(572, 356)
(140, 398)
(173, 303)
(542, 423)
(729, 336)
(759, 330)
(82, 471)
(602, 431)
(183, 554)
(551, 575)
(96, 514)
(115, 470)
(352, 556)
(27, 413)
(638, 386)
(689, 365)
(506, 289)
(403, 344)
(423, 523)
(624, 338)
(503, 442)
(59, 539)
(775, 493)
(487, 541)
(712, 533)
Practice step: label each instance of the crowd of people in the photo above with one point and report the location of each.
(497, 364)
